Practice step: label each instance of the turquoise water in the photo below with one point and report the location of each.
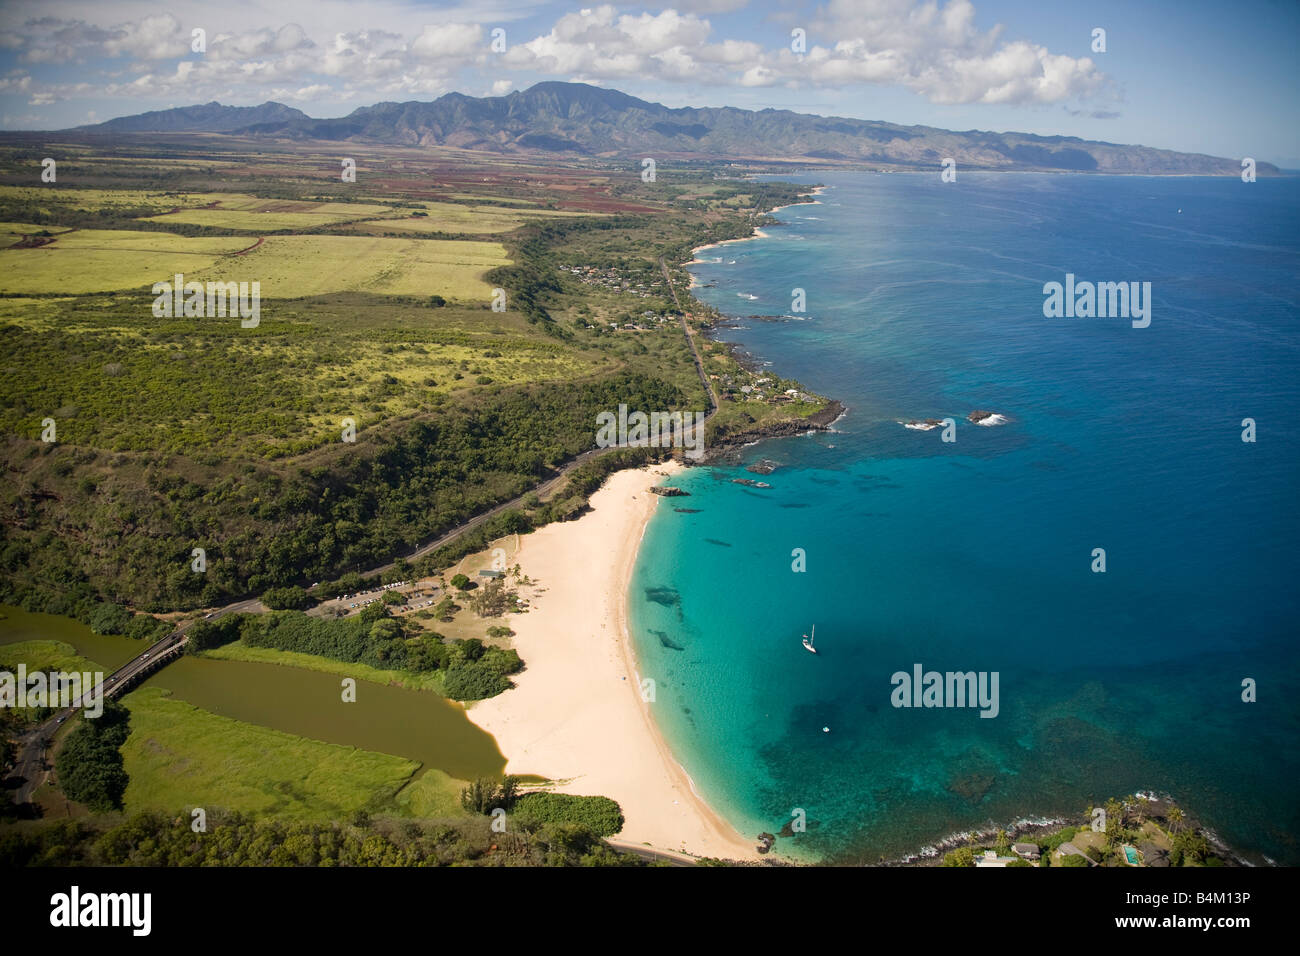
(925, 300)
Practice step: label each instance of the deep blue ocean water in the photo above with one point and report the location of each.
(925, 299)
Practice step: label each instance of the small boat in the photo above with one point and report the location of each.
(808, 641)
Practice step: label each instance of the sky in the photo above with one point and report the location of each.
(1195, 76)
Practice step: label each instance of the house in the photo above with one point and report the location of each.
(1026, 851)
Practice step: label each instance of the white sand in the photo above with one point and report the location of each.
(576, 715)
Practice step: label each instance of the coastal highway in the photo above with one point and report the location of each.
(551, 484)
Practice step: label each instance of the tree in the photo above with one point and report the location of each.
(1114, 822)
(89, 765)
(445, 608)
(292, 598)
(492, 600)
(1003, 844)
(485, 795)
(373, 612)
(962, 856)
(1175, 817)
(460, 582)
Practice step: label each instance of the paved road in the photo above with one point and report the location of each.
(671, 857)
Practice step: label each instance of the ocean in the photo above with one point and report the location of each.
(925, 300)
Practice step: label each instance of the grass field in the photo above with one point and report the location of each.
(106, 260)
(52, 197)
(255, 214)
(456, 218)
(296, 266)
(179, 756)
(114, 377)
(46, 656)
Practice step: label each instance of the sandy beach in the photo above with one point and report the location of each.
(576, 715)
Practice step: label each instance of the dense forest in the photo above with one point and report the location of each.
(263, 527)
(89, 763)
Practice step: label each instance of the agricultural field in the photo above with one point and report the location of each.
(290, 267)
(107, 260)
(38, 202)
(256, 214)
(456, 218)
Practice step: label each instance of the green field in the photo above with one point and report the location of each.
(139, 383)
(46, 656)
(180, 756)
(255, 214)
(458, 218)
(106, 260)
(297, 266)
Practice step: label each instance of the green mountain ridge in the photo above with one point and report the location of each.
(579, 119)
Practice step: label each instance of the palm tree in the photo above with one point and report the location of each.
(1143, 804)
(1175, 817)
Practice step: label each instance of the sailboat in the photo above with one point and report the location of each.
(808, 641)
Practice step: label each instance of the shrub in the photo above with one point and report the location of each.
(292, 598)
(474, 682)
(962, 856)
(1075, 859)
(599, 814)
(209, 634)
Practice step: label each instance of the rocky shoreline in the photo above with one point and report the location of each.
(817, 422)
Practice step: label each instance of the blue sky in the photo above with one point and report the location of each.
(1193, 75)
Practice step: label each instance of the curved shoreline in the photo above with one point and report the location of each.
(576, 715)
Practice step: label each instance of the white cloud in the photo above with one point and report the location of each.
(937, 52)
(295, 52)
(151, 38)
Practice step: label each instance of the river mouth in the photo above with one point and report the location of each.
(417, 725)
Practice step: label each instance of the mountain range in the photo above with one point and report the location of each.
(579, 119)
